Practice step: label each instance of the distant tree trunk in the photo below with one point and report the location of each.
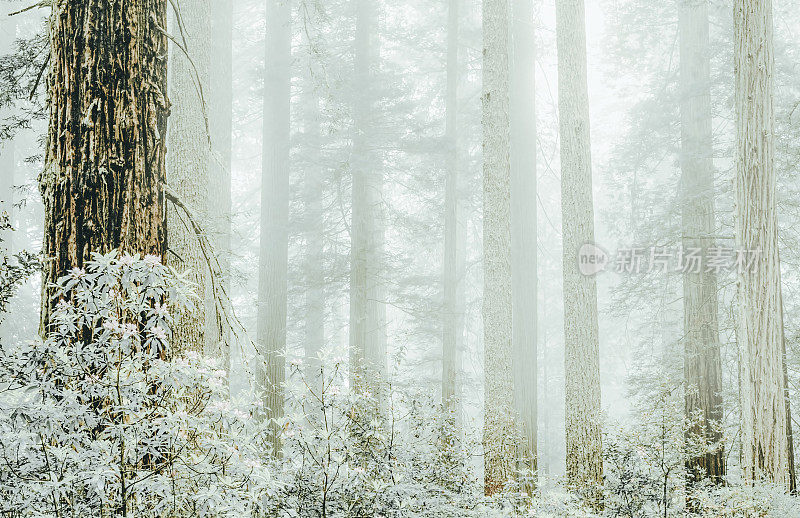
(104, 156)
(367, 311)
(544, 453)
(581, 341)
(499, 430)
(766, 438)
(221, 124)
(523, 228)
(702, 360)
(188, 159)
(7, 166)
(8, 30)
(314, 231)
(272, 280)
(452, 318)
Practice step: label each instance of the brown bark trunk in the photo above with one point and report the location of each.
(105, 154)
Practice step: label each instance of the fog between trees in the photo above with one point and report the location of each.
(417, 258)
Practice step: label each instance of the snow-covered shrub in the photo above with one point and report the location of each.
(352, 453)
(645, 475)
(765, 501)
(645, 464)
(99, 419)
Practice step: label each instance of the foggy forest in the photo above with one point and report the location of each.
(399, 258)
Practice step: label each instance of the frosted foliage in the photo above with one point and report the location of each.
(99, 419)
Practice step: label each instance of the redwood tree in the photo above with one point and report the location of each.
(766, 419)
(702, 361)
(581, 329)
(105, 152)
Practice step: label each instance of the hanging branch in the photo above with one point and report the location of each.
(43, 3)
(226, 319)
(184, 49)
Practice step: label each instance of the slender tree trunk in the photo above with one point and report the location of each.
(452, 319)
(702, 361)
(101, 185)
(581, 341)
(221, 125)
(499, 431)
(544, 452)
(8, 31)
(272, 281)
(188, 160)
(367, 311)
(523, 229)
(7, 166)
(766, 440)
(315, 235)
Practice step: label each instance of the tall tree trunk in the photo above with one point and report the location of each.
(452, 318)
(188, 159)
(315, 235)
(272, 280)
(543, 460)
(101, 185)
(523, 229)
(581, 342)
(7, 166)
(766, 440)
(702, 361)
(499, 431)
(221, 124)
(8, 30)
(367, 310)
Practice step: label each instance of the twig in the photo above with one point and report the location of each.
(184, 48)
(39, 76)
(225, 314)
(44, 3)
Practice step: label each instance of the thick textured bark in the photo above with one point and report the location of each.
(702, 361)
(188, 158)
(221, 124)
(499, 430)
(105, 154)
(272, 279)
(523, 228)
(452, 317)
(367, 310)
(766, 438)
(581, 341)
